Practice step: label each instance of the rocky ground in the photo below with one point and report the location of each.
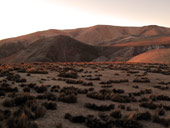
(81, 95)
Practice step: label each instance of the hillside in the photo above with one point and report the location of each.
(153, 56)
(51, 49)
(96, 43)
(146, 41)
(95, 35)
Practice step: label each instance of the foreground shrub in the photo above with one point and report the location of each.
(75, 119)
(116, 114)
(40, 89)
(67, 98)
(8, 103)
(163, 121)
(143, 116)
(20, 120)
(100, 108)
(50, 105)
(68, 74)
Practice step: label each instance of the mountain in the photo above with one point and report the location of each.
(56, 48)
(153, 56)
(102, 34)
(11, 46)
(96, 43)
(96, 35)
(157, 40)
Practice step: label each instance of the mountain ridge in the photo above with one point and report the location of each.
(111, 43)
(81, 31)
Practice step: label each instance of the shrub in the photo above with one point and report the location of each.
(93, 122)
(31, 85)
(39, 111)
(149, 105)
(69, 81)
(121, 106)
(59, 125)
(141, 80)
(123, 99)
(22, 80)
(36, 109)
(131, 124)
(26, 89)
(70, 98)
(51, 96)
(143, 116)
(1, 115)
(118, 91)
(41, 89)
(8, 103)
(50, 105)
(101, 107)
(95, 78)
(75, 119)
(135, 86)
(87, 83)
(68, 74)
(2, 93)
(7, 113)
(162, 97)
(19, 120)
(160, 111)
(116, 114)
(163, 121)
(69, 90)
(22, 99)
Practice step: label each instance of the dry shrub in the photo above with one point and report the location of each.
(67, 98)
(100, 107)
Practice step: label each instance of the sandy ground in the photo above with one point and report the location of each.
(106, 72)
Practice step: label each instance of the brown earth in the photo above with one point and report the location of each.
(153, 56)
(146, 42)
(133, 89)
(54, 49)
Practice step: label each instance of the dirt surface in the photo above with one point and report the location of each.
(153, 56)
(81, 95)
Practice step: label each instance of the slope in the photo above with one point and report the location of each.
(51, 49)
(153, 56)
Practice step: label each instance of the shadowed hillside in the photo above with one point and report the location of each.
(57, 48)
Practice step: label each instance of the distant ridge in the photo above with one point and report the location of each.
(96, 43)
(96, 34)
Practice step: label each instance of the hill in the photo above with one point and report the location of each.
(153, 56)
(96, 35)
(146, 41)
(96, 43)
(102, 34)
(52, 49)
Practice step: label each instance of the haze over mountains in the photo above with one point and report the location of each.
(96, 43)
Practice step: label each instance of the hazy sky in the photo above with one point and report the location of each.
(18, 17)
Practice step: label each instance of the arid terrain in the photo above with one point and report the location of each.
(84, 95)
(96, 77)
(153, 56)
(85, 64)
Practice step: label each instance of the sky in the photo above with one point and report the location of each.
(20, 17)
